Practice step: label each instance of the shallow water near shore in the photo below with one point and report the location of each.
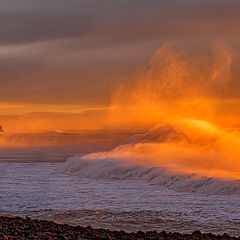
(37, 189)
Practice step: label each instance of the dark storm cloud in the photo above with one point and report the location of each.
(24, 21)
(75, 50)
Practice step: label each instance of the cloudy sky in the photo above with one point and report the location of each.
(74, 52)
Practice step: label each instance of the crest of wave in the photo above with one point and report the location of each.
(189, 155)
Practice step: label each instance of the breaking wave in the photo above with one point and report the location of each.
(107, 169)
(187, 156)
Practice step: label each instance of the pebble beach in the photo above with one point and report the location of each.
(27, 228)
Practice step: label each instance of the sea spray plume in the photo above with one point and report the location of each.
(177, 83)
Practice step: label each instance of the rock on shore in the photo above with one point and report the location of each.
(21, 228)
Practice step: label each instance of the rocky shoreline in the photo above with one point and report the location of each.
(21, 228)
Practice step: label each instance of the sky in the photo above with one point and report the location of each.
(68, 56)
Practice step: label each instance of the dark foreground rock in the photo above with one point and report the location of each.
(21, 228)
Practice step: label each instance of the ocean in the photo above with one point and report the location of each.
(75, 184)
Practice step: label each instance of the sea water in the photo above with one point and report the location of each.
(39, 190)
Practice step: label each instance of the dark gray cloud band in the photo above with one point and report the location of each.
(76, 50)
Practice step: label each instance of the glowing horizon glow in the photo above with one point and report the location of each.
(35, 118)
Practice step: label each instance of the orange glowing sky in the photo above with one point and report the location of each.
(63, 64)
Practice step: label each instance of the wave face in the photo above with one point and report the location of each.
(187, 156)
(112, 170)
